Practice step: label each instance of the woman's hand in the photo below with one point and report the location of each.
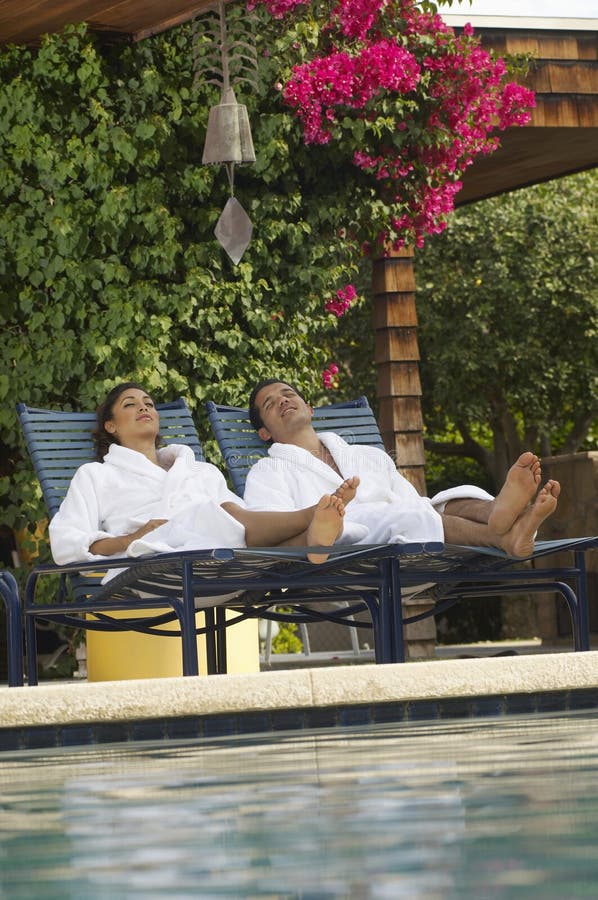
(112, 546)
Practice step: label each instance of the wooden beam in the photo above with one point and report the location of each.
(397, 363)
(25, 21)
(535, 153)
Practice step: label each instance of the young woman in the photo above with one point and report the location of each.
(140, 498)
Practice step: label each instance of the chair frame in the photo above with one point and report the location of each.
(364, 576)
(457, 572)
(241, 448)
(9, 592)
(185, 582)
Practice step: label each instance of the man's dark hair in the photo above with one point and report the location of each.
(254, 414)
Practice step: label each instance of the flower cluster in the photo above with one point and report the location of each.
(278, 9)
(340, 303)
(354, 18)
(329, 377)
(514, 102)
(342, 80)
(430, 101)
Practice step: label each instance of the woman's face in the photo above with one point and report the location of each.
(134, 419)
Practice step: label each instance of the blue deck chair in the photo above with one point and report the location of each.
(247, 581)
(58, 443)
(241, 447)
(457, 573)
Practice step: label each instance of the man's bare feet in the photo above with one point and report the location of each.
(326, 525)
(519, 540)
(521, 484)
(347, 489)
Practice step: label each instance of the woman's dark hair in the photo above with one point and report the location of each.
(103, 439)
(254, 413)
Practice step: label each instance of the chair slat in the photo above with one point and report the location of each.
(241, 446)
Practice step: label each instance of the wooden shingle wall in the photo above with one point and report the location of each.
(562, 136)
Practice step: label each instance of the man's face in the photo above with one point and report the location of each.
(282, 411)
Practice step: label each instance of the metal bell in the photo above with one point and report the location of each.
(228, 136)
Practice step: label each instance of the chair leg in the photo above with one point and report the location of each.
(221, 640)
(187, 622)
(9, 592)
(305, 639)
(396, 614)
(31, 650)
(582, 601)
(267, 641)
(211, 662)
(354, 634)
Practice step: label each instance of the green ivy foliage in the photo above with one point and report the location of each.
(109, 268)
(509, 323)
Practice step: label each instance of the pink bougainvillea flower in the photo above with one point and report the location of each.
(329, 377)
(381, 60)
(342, 300)
(278, 9)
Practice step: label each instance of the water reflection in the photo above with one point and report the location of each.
(480, 809)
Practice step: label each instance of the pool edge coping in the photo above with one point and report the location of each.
(56, 714)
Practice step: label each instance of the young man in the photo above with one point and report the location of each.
(302, 464)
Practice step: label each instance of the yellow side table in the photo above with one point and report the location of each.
(118, 656)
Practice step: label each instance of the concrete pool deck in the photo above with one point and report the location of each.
(457, 686)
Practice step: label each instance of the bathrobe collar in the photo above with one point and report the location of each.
(371, 465)
(302, 458)
(131, 460)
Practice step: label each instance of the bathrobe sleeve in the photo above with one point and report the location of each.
(77, 524)
(191, 501)
(381, 480)
(268, 488)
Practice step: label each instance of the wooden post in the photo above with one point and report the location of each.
(397, 363)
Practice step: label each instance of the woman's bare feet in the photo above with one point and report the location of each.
(521, 484)
(326, 525)
(519, 540)
(348, 489)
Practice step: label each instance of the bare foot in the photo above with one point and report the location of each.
(519, 540)
(325, 526)
(347, 489)
(521, 483)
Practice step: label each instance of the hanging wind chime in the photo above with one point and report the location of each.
(228, 137)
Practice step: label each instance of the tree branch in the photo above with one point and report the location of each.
(579, 432)
(468, 448)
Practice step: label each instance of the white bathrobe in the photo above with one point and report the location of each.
(124, 492)
(386, 503)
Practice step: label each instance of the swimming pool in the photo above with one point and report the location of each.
(492, 808)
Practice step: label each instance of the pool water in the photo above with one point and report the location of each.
(493, 808)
